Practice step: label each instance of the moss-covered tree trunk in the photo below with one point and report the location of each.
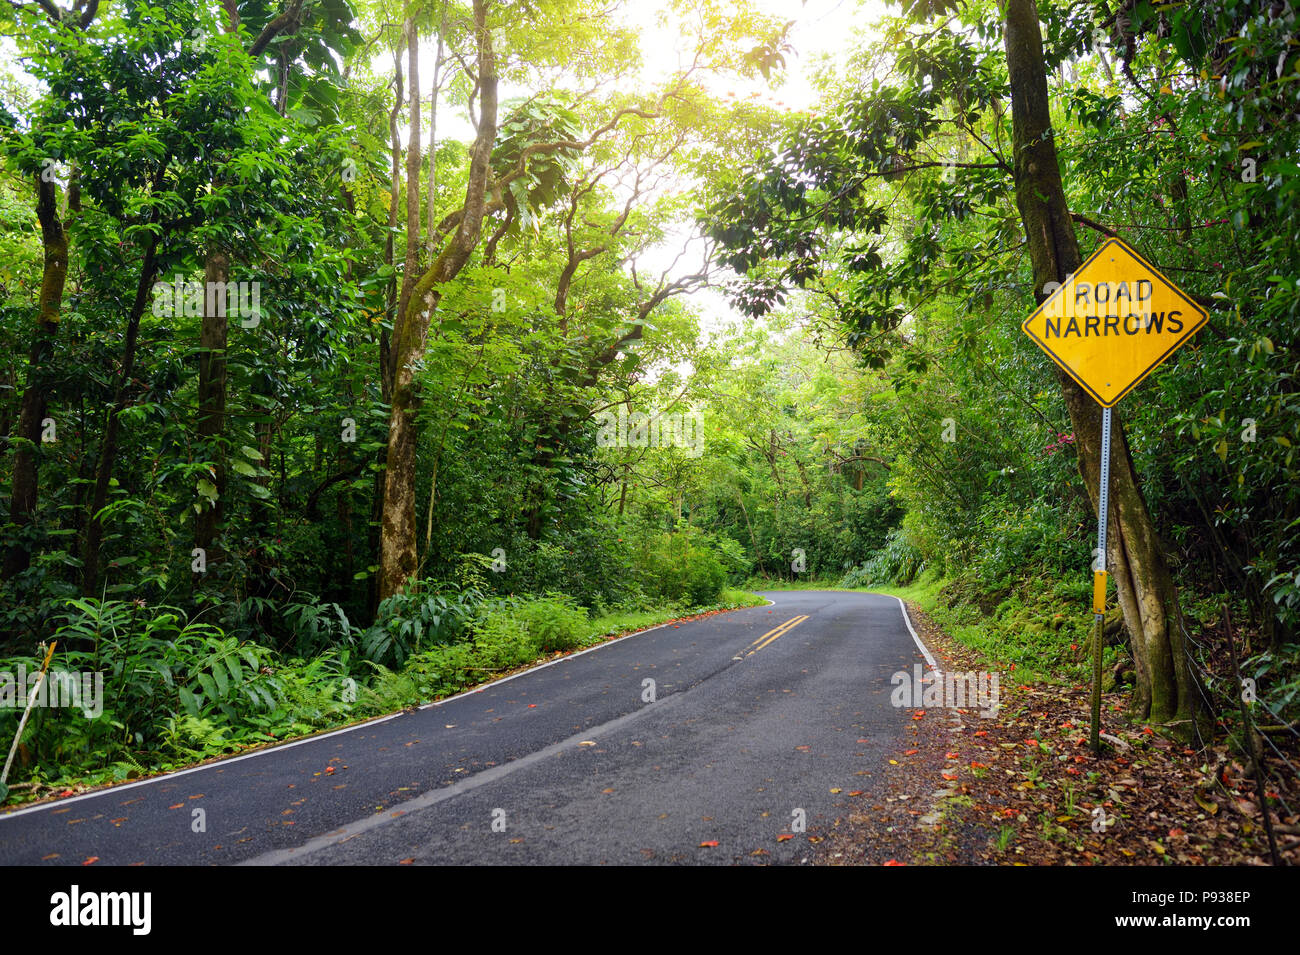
(25, 492)
(397, 552)
(211, 428)
(1135, 555)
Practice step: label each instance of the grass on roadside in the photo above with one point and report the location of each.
(1042, 626)
(315, 695)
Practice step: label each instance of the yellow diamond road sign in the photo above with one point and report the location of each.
(1113, 321)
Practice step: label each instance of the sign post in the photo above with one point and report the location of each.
(1108, 326)
(1099, 581)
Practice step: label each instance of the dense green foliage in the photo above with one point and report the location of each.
(595, 445)
(891, 212)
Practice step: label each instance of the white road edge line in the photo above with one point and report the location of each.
(197, 769)
(432, 797)
(311, 739)
(924, 652)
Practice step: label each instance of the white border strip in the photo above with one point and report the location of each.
(924, 652)
(274, 748)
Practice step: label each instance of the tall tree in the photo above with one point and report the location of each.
(1136, 555)
(25, 491)
(398, 557)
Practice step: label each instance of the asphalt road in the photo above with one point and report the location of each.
(760, 718)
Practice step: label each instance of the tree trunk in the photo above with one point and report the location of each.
(374, 535)
(25, 492)
(397, 556)
(213, 334)
(112, 428)
(413, 162)
(432, 197)
(1135, 556)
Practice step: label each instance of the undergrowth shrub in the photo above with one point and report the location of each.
(898, 562)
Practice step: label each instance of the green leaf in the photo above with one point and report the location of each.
(209, 687)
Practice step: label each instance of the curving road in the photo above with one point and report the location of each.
(753, 720)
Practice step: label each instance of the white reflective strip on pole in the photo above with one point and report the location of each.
(1103, 502)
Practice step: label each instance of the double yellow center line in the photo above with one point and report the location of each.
(772, 635)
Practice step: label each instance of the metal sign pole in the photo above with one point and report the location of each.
(1099, 579)
(1071, 326)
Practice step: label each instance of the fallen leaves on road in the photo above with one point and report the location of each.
(1030, 789)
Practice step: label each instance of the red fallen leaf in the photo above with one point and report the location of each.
(981, 732)
(895, 862)
(785, 837)
(910, 752)
(920, 713)
(532, 706)
(948, 775)
(1072, 771)
(918, 716)
(975, 765)
(954, 755)
(407, 862)
(1148, 731)
(66, 792)
(856, 792)
(179, 805)
(91, 861)
(1121, 760)
(1013, 666)
(1067, 725)
(329, 769)
(1175, 833)
(1008, 812)
(709, 844)
(864, 740)
(1081, 759)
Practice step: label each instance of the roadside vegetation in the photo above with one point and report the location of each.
(528, 343)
